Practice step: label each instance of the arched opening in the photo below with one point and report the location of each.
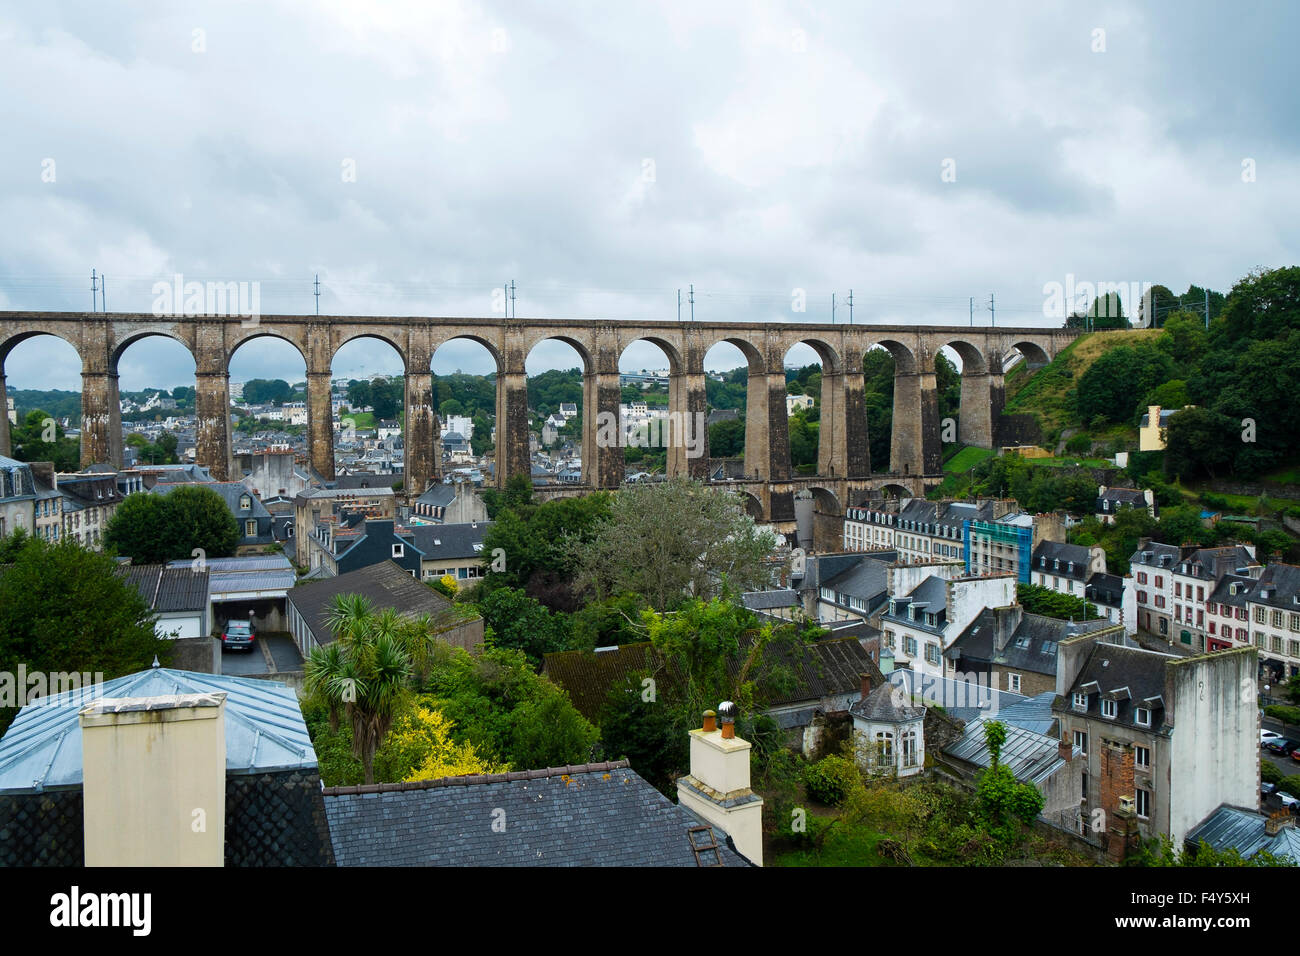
(1018, 366)
(825, 521)
(155, 392)
(557, 374)
(269, 416)
(882, 366)
(726, 383)
(40, 401)
(753, 506)
(891, 490)
(814, 394)
(368, 405)
(465, 384)
(653, 422)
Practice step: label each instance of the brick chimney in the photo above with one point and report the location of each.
(1066, 749)
(1278, 821)
(717, 789)
(154, 780)
(865, 680)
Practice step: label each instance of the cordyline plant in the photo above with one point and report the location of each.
(365, 673)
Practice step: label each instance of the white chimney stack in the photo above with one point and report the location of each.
(717, 788)
(154, 780)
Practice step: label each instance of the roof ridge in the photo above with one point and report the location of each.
(468, 780)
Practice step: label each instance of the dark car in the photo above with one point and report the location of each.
(1267, 788)
(1281, 745)
(237, 635)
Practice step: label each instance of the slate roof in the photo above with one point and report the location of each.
(1031, 713)
(385, 584)
(1279, 587)
(168, 588)
(264, 727)
(821, 568)
(592, 815)
(1132, 676)
(1032, 643)
(1049, 552)
(887, 703)
(1032, 757)
(445, 541)
(438, 496)
(1223, 592)
(767, 600)
(1243, 830)
(868, 580)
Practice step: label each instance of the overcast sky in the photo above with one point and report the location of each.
(604, 155)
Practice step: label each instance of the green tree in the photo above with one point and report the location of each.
(1006, 803)
(669, 540)
(727, 439)
(139, 529)
(519, 622)
(66, 609)
(263, 391)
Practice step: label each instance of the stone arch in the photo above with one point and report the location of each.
(120, 347)
(263, 334)
(904, 357)
(753, 505)
(1034, 354)
(973, 360)
(827, 518)
(488, 344)
(583, 349)
(676, 363)
(9, 344)
(891, 490)
(348, 338)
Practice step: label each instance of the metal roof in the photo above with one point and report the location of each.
(264, 727)
(1033, 758)
(1243, 831)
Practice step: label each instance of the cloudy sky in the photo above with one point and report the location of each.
(417, 155)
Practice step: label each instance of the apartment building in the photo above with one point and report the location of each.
(1006, 544)
(1079, 572)
(1172, 586)
(922, 620)
(920, 530)
(1263, 613)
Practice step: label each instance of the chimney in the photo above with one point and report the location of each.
(1278, 821)
(866, 685)
(717, 789)
(1065, 749)
(154, 780)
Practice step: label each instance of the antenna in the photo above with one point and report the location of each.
(318, 293)
(514, 309)
(692, 297)
(94, 292)
(850, 307)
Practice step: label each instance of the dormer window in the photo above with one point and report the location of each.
(245, 502)
(1080, 701)
(399, 550)
(1109, 709)
(1142, 716)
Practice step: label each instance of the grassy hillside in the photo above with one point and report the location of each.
(1048, 394)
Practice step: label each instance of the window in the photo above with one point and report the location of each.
(1277, 618)
(1080, 701)
(1160, 581)
(1142, 758)
(889, 640)
(1142, 597)
(1108, 709)
(1081, 741)
(250, 528)
(909, 646)
(932, 653)
(1261, 615)
(885, 744)
(1142, 716)
(399, 550)
(1142, 577)
(1143, 803)
(245, 502)
(1013, 683)
(1259, 639)
(909, 749)
(1160, 600)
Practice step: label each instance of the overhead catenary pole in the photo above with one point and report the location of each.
(832, 308)
(94, 291)
(514, 309)
(972, 310)
(993, 315)
(1207, 308)
(317, 291)
(692, 299)
(679, 305)
(850, 307)
(103, 292)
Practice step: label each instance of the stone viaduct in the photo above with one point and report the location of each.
(844, 469)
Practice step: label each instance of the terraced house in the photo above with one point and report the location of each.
(1263, 613)
(1172, 585)
(919, 530)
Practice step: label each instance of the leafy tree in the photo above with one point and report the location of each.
(727, 438)
(1109, 390)
(670, 540)
(263, 391)
(608, 623)
(519, 622)
(420, 746)
(1199, 441)
(1065, 607)
(39, 437)
(139, 528)
(66, 609)
(645, 732)
(151, 527)
(1005, 802)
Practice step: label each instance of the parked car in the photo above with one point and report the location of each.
(1266, 788)
(1287, 800)
(1281, 745)
(1295, 755)
(1266, 735)
(238, 634)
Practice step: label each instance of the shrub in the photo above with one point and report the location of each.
(831, 779)
(1288, 715)
(1268, 772)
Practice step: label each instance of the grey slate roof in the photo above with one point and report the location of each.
(264, 727)
(446, 541)
(1031, 645)
(767, 600)
(1134, 677)
(965, 700)
(592, 815)
(1074, 560)
(1031, 713)
(887, 703)
(1243, 830)
(385, 584)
